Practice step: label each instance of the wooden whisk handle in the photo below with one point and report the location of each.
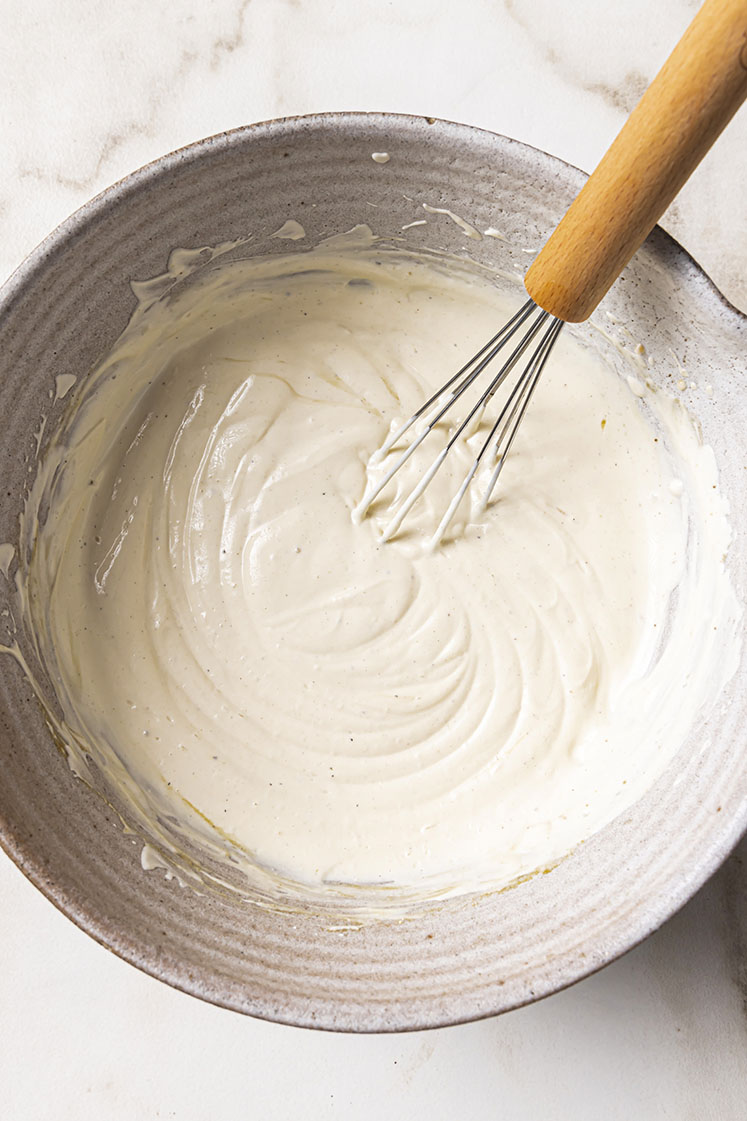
(692, 98)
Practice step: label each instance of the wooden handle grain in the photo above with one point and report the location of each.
(692, 98)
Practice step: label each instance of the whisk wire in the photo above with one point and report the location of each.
(467, 374)
(410, 500)
(523, 394)
(495, 344)
(531, 319)
(508, 421)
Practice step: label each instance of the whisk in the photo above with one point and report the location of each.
(686, 107)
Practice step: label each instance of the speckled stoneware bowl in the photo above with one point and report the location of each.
(471, 957)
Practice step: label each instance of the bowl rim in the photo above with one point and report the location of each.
(194, 149)
(76, 909)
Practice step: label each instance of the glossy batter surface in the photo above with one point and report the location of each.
(266, 677)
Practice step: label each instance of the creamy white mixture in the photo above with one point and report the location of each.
(267, 678)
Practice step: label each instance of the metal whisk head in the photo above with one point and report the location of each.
(530, 334)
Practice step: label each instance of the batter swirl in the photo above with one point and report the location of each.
(340, 714)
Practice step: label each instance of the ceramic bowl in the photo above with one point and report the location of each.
(473, 956)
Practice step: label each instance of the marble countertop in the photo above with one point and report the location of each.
(91, 91)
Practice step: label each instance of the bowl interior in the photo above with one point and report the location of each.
(468, 957)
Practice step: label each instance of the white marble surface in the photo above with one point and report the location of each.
(90, 91)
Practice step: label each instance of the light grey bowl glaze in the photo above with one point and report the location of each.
(472, 957)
